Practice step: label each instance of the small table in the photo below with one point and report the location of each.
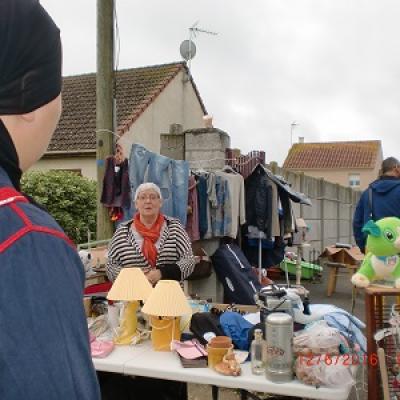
(334, 273)
(116, 360)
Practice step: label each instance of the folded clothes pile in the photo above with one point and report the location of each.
(191, 353)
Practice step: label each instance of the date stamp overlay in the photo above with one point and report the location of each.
(339, 359)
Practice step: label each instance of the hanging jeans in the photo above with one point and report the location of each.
(138, 163)
(221, 220)
(160, 173)
(170, 175)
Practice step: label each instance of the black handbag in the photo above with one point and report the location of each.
(201, 270)
(203, 267)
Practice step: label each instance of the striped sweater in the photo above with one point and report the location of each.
(173, 248)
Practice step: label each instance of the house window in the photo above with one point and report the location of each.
(354, 180)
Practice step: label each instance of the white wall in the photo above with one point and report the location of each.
(341, 176)
(177, 103)
(87, 165)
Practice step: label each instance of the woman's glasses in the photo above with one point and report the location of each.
(151, 197)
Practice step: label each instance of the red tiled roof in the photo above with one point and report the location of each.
(136, 89)
(336, 155)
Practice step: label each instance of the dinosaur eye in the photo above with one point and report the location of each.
(389, 235)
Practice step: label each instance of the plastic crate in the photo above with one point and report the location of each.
(308, 270)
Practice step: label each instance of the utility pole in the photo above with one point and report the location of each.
(104, 105)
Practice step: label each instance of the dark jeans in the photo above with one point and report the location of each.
(203, 200)
(122, 387)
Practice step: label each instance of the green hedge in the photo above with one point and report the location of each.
(68, 197)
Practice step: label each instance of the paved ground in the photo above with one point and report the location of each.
(341, 298)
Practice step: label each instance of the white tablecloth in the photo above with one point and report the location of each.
(141, 360)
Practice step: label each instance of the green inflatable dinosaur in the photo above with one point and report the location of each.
(382, 260)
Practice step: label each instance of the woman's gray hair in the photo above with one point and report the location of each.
(147, 186)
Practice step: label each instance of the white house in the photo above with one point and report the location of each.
(149, 100)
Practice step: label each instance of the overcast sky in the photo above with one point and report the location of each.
(333, 66)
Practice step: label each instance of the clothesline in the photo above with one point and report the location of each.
(224, 159)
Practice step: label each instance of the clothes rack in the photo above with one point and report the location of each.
(260, 256)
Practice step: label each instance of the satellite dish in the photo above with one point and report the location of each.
(187, 49)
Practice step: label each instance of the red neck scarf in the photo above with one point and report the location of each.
(150, 237)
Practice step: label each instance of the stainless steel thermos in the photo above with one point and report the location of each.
(279, 334)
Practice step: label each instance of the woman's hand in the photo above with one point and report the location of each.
(153, 276)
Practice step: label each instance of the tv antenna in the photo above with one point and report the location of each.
(187, 47)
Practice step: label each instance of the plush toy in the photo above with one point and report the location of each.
(382, 260)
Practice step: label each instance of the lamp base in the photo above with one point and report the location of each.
(128, 326)
(164, 330)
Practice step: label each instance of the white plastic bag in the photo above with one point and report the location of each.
(325, 370)
(318, 338)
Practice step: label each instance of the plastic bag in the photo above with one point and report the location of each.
(324, 369)
(98, 326)
(318, 338)
(307, 372)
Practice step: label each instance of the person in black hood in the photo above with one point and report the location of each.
(44, 340)
(30, 84)
(380, 200)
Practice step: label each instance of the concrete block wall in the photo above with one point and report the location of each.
(172, 144)
(330, 216)
(205, 148)
(209, 288)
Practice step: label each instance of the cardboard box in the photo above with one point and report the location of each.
(352, 256)
(99, 256)
(300, 234)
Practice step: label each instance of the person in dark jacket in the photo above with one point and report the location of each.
(44, 340)
(381, 199)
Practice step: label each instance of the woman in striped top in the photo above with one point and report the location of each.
(156, 243)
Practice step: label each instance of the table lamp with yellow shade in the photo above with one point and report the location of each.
(131, 286)
(165, 305)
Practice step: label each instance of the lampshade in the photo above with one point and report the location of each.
(167, 300)
(131, 284)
